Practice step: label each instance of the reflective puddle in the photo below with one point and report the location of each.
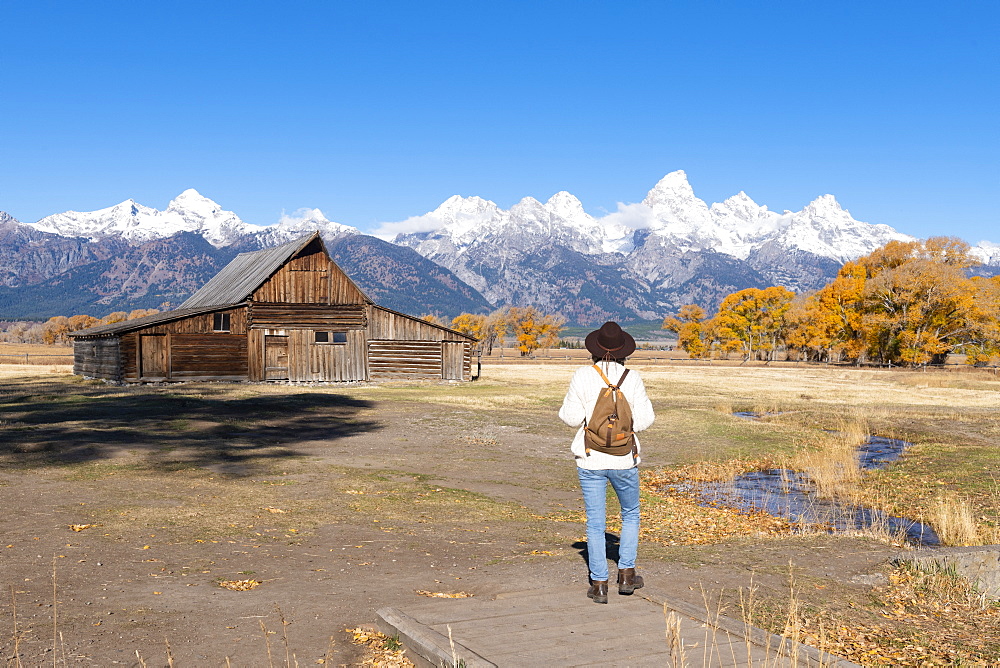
(791, 495)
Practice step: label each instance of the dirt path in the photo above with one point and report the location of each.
(338, 501)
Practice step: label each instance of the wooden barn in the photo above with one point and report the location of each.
(287, 313)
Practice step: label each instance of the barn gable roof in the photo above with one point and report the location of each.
(239, 279)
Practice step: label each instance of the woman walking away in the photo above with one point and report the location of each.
(609, 404)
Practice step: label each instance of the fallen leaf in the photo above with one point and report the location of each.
(240, 585)
(438, 594)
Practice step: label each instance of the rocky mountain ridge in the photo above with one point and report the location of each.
(639, 262)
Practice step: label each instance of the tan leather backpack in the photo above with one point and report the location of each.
(609, 429)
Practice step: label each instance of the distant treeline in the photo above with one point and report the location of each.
(907, 303)
(56, 329)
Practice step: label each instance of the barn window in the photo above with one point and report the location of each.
(331, 337)
(220, 322)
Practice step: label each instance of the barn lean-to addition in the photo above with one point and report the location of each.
(287, 313)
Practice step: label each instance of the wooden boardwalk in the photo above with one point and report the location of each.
(560, 627)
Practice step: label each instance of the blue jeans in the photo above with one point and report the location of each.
(594, 484)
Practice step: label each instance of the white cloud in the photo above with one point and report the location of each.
(302, 216)
(424, 223)
(633, 216)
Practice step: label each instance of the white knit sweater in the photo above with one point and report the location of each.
(579, 403)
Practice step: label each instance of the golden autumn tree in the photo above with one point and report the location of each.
(808, 329)
(689, 326)
(908, 302)
(983, 339)
(753, 320)
(918, 303)
(838, 309)
(470, 323)
(55, 330)
(551, 327)
(78, 322)
(495, 330)
(531, 328)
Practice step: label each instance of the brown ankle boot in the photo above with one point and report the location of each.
(628, 581)
(599, 591)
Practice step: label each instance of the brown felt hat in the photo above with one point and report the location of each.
(610, 341)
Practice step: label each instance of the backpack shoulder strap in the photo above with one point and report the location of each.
(603, 377)
(622, 379)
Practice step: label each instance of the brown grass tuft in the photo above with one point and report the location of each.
(954, 521)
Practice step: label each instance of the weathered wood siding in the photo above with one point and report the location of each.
(384, 324)
(270, 315)
(310, 278)
(187, 349)
(202, 324)
(154, 356)
(255, 354)
(456, 360)
(130, 361)
(292, 354)
(311, 361)
(98, 358)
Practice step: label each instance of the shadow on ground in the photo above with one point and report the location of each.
(227, 428)
(611, 543)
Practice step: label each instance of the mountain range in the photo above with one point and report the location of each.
(640, 262)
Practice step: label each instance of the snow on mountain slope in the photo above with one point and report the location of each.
(824, 228)
(987, 252)
(670, 211)
(300, 223)
(188, 212)
(202, 215)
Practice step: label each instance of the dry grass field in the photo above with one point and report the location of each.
(32, 353)
(338, 499)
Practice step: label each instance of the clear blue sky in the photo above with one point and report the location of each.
(377, 111)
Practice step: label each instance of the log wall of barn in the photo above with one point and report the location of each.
(310, 278)
(98, 358)
(404, 359)
(201, 356)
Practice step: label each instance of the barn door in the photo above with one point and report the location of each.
(452, 359)
(275, 357)
(152, 356)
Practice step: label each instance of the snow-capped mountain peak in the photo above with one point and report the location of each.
(192, 200)
(465, 217)
(825, 206)
(567, 206)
